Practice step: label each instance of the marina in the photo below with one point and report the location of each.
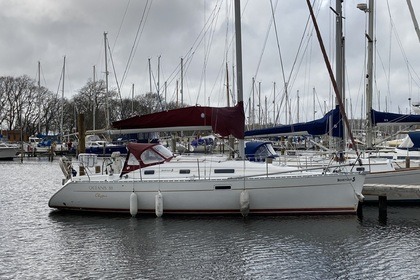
(38, 242)
(132, 188)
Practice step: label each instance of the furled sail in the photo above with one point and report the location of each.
(224, 121)
(316, 127)
(384, 119)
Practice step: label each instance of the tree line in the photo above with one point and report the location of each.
(35, 109)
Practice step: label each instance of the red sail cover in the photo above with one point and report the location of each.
(224, 121)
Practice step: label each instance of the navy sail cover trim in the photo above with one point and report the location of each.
(315, 127)
(382, 118)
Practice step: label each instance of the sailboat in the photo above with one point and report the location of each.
(380, 169)
(152, 181)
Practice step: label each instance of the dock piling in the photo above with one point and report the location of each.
(382, 200)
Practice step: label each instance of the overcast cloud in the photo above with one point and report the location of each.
(48, 30)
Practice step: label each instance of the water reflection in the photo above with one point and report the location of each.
(41, 243)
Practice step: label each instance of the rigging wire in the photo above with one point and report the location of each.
(290, 80)
(122, 21)
(412, 74)
(197, 42)
(277, 41)
(391, 27)
(207, 53)
(139, 32)
(265, 41)
(115, 75)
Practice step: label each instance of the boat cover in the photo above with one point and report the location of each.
(259, 151)
(315, 127)
(224, 121)
(141, 155)
(411, 141)
(383, 118)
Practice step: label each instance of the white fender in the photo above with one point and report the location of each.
(133, 204)
(159, 204)
(360, 197)
(244, 203)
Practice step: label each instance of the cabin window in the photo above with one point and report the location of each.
(222, 187)
(149, 172)
(227, 170)
(163, 151)
(132, 160)
(184, 171)
(151, 157)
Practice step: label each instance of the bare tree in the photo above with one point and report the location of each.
(91, 100)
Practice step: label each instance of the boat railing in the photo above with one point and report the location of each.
(325, 170)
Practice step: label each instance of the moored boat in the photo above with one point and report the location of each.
(8, 151)
(207, 187)
(150, 181)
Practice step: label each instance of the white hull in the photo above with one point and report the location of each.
(313, 194)
(8, 151)
(379, 171)
(204, 185)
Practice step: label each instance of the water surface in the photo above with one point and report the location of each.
(40, 243)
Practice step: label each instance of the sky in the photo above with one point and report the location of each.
(276, 50)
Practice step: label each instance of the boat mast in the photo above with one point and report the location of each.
(94, 99)
(274, 104)
(253, 102)
(313, 91)
(340, 63)
(132, 99)
(297, 105)
(62, 98)
(330, 72)
(158, 78)
(39, 97)
(150, 76)
(266, 112)
(182, 82)
(259, 104)
(241, 145)
(227, 85)
(369, 76)
(106, 84)
(413, 17)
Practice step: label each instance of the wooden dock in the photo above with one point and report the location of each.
(384, 191)
(391, 190)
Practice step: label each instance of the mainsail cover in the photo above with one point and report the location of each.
(411, 141)
(383, 118)
(316, 127)
(224, 121)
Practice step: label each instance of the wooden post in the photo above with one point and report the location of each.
(81, 147)
(52, 151)
(407, 162)
(382, 206)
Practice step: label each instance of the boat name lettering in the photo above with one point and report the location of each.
(100, 195)
(347, 179)
(100, 188)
